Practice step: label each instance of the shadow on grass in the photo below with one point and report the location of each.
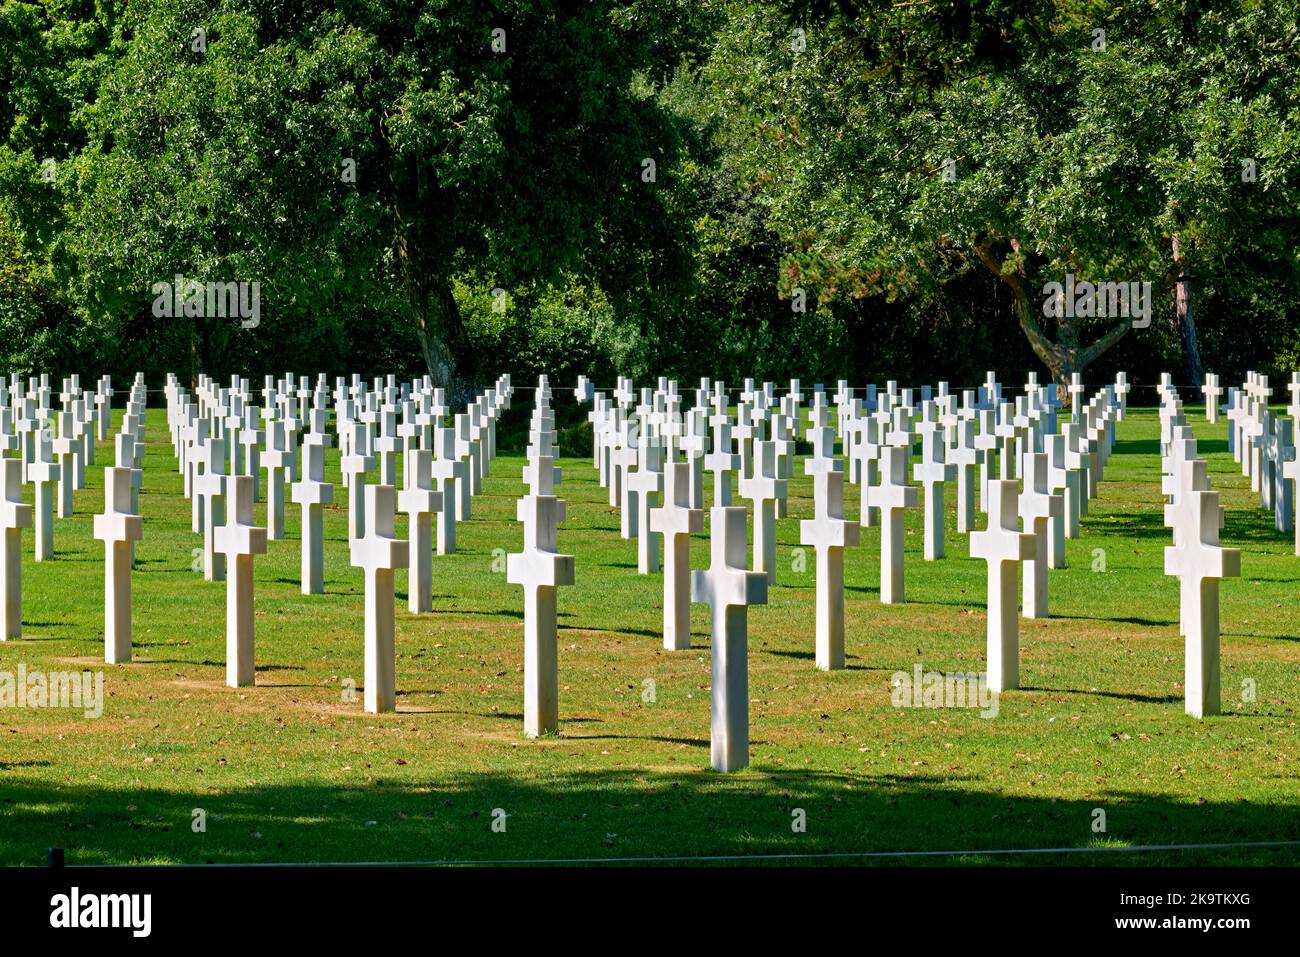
(1239, 526)
(849, 664)
(1127, 620)
(403, 814)
(1132, 696)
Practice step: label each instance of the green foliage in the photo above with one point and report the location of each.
(210, 141)
(1067, 158)
(798, 151)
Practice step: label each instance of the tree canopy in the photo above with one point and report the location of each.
(813, 188)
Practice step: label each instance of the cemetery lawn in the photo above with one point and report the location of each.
(290, 771)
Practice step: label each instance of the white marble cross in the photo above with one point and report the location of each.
(1039, 508)
(541, 570)
(722, 462)
(389, 446)
(1078, 459)
(43, 472)
(451, 474)
(829, 534)
(901, 434)
(763, 488)
(541, 475)
(695, 445)
(986, 440)
(823, 452)
(250, 441)
(891, 497)
(866, 459)
(966, 456)
(379, 553)
(420, 503)
(1199, 560)
(746, 431)
(1212, 390)
(313, 493)
(356, 465)
(728, 588)
(1008, 440)
(1252, 441)
(1003, 547)
(1077, 390)
(1189, 475)
(647, 483)
(129, 456)
(211, 484)
(1236, 411)
(195, 438)
(676, 520)
(933, 471)
(1283, 451)
(1122, 389)
(624, 458)
(469, 451)
(1064, 481)
(1291, 473)
(785, 450)
(66, 447)
(118, 528)
(239, 540)
(15, 515)
(278, 462)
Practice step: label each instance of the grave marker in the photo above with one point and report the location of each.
(1198, 559)
(676, 520)
(829, 534)
(1003, 547)
(420, 502)
(541, 570)
(729, 588)
(892, 496)
(379, 553)
(118, 528)
(15, 515)
(239, 540)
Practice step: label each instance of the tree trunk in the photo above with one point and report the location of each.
(438, 326)
(1062, 358)
(1185, 322)
(196, 360)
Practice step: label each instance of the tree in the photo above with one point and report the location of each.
(356, 156)
(1062, 151)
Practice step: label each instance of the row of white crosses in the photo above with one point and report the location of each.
(1196, 558)
(53, 436)
(870, 428)
(1029, 520)
(1264, 443)
(540, 569)
(120, 525)
(223, 441)
(369, 438)
(652, 457)
(47, 440)
(645, 450)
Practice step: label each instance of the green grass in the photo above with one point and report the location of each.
(289, 771)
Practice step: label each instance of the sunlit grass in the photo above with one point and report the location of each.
(290, 771)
